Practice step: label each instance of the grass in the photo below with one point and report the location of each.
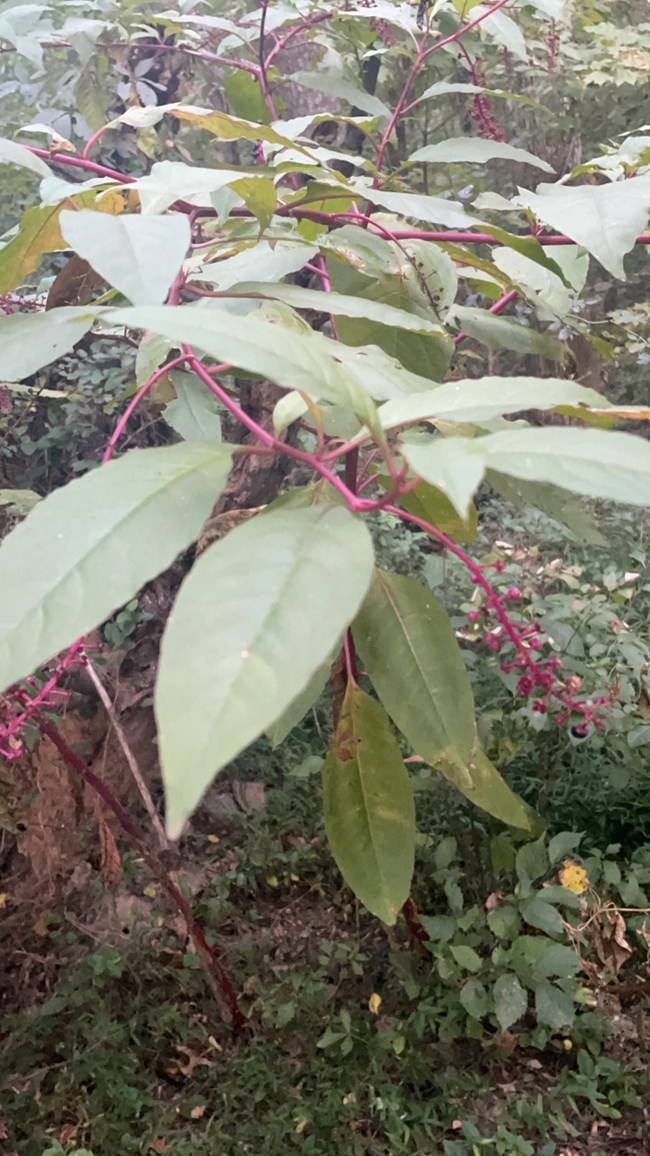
(128, 1054)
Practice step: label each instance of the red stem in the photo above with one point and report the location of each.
(498, 307)
(134, 403)
(206, 955)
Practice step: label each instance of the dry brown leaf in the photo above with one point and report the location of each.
(608, 937)
(193, 1061)
(110, 864)
(249, 796)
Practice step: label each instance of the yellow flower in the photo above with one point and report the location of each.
(374, 1003)
(573, 877)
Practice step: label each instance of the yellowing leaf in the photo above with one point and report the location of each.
(573, 877)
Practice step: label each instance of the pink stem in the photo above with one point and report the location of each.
(465, 28)
(273, 444)
(422, 55)
(498, 307)
(134, 403)
(79, 162)
(93, 140)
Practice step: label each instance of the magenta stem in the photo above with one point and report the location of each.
(498, 307)
(134, 403)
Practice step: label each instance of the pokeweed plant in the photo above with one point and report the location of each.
(217, 267)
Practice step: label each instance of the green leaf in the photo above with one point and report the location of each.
(557, 959)
(445, 852)
(194, 413)
(553, 1007)
(476, 150)
(562, 843)
(537, 913)
(503, 922)
(531, 862)
(439, 928)
(466, 957)
(295, 360)
(39, 233)
(473, 997)
(263, 261)
(297, 710)
(342, 89)
(28, 341)
(89, 547)
(138, 255)
(259, 195)
(258, 614)
(480, 399)
(453, 465)
(552, 501)
(369, 809)
(433, 506)
(436, 210)
(505, 333)
(16, 154)
(170, 181)
(245, 96)
(596, 463)
(215, 121)
(408, 647)
(604, 219)
(480, 782)
(505, 31)
(341, 305)
(426, 351)
(510, 1000)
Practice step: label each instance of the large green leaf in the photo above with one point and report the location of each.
(433, 506)
(342, 89)
(369, 809)
(453, 465)
(341, 305)
(435, 210)
(552, 501)
(16, 154)
(295, 360)
(138, 255)
(510, 1000)
(28, 341)
(479, 399)
(506, 333)
(476, 150)
(170, 181)
(194, 413)
(263, 261)
(409, 649)
(596, 463)
(604, 219)
(88, 547)
(427, 351)
(258, 614)
(480, 782)
(39, 233)
(297, 710)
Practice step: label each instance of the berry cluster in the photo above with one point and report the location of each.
(553, 45)
(481, 108)
(383, 31)
(21, 704)
(521, 647)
